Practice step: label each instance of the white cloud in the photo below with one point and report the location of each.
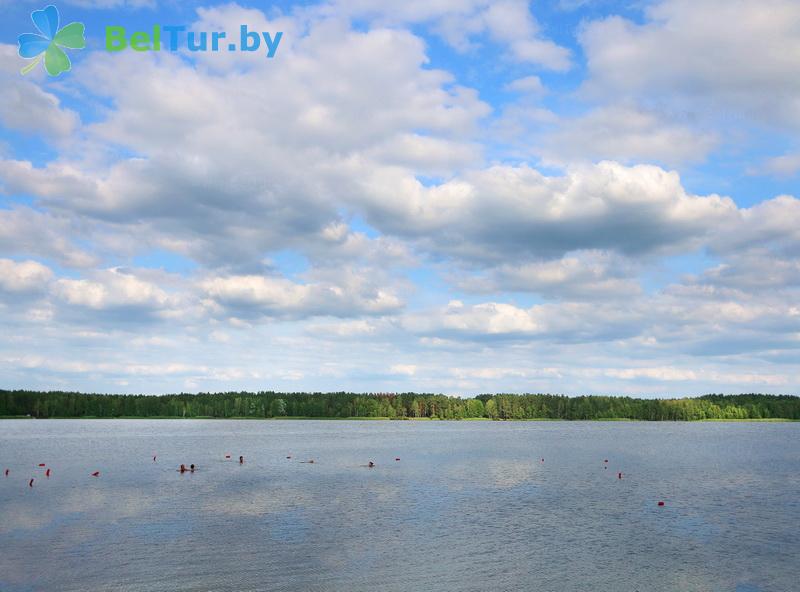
(114, 289)
(509, 22)
(24, 106)
(529, 84)
(786, 165)
(255, 296)
(580, 275)
(708, 57)
(625, 134)
(23, 276)
(506, 212)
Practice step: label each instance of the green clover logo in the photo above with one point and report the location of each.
(50, 42)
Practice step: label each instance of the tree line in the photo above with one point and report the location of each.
(269, 404)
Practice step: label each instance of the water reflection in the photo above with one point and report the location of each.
(469, 507)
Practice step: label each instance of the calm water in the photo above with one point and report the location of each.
(470, 506)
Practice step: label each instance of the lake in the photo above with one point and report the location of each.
(470, 506)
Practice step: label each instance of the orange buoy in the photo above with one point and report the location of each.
(660, 504)
(30, 483)
(96, 474)
(47, 473)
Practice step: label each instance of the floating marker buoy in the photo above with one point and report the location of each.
(30, 483)
(47, 473)
(96, 474)
(660, 503)
(41, 464)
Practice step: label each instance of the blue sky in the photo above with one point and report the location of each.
(460, 197)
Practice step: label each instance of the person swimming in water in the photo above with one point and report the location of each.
(182, 469)
(241, 460)
(191, 468)
(371, 464)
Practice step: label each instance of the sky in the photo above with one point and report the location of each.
(451, 196)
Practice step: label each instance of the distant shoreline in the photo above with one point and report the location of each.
(396, 406)
(533, 419)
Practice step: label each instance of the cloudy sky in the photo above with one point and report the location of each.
(458, 196)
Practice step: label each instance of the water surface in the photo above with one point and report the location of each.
(470, 506)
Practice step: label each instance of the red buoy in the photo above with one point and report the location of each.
(96, 474)
(47, 473)
(41, 464)
(660, 503)
(30, 483)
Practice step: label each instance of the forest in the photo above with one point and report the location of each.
(268, 404)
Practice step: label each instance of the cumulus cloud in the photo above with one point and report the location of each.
(118, 295)
(507, 212)
(255, 296)
(579, 275)
(24, 231)
(711, 57)
(23, 276)
(25, 106)
(625, 134)
(509, 22)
